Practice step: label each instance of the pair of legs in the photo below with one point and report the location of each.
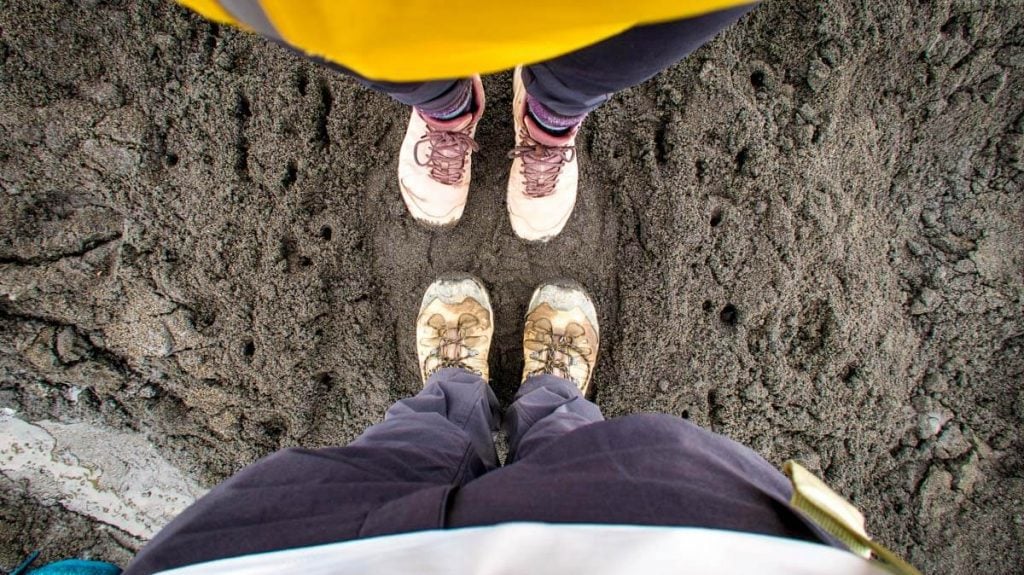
(579, 82)
(550, 102)
(431, 463)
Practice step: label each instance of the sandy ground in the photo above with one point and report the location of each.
(808, 237)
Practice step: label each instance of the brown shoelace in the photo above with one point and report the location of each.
(448, 153)
(452, 345)
(558, 352)
(541, 165)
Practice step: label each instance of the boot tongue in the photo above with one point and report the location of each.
(454, 125)
(539, 135)
(452, 348)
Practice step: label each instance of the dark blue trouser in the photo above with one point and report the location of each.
(578, 82)
(432, 464)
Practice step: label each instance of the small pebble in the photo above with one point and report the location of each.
(72, 393)
(926, 301)
(706, 70)
(928, 424)
(663, 385)
(951, 443)
(929, 297)
(817, 75)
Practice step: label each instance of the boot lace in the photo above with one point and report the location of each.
(452, 345)
(541, 164)
(556, 351)
(448, 153)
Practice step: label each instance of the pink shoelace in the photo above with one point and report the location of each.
(541, 165)
(448, 153)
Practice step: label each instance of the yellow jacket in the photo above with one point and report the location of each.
(414, 40)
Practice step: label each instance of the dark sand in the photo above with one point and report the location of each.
(809, 237)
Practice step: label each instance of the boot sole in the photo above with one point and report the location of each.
(429, 222)
(542, 237)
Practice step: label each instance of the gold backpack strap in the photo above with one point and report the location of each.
(837, 516)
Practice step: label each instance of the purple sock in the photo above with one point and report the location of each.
(456, 102)
(550, 120)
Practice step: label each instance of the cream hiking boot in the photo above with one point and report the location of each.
(542, 183)
(561, 335)
(434, 164)
(454, 326)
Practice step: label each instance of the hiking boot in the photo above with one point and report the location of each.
(454, 326)
(561, 334)
(542, 183)
(435, 162)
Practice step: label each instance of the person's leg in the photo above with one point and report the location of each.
(572, 85)
(545, 408)
(567, 465)
(443, 99)
(639, 470)
(430, 97)
(296, 497)
(396, 477)
(551, 99)
(560, 344)
(454, 398)
(435, 160)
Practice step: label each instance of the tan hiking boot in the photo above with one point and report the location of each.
(454, 326)
(435, 163)
(542, 183)
(561, 336)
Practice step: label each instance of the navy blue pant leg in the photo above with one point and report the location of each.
(396, 477)
(580, 81)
